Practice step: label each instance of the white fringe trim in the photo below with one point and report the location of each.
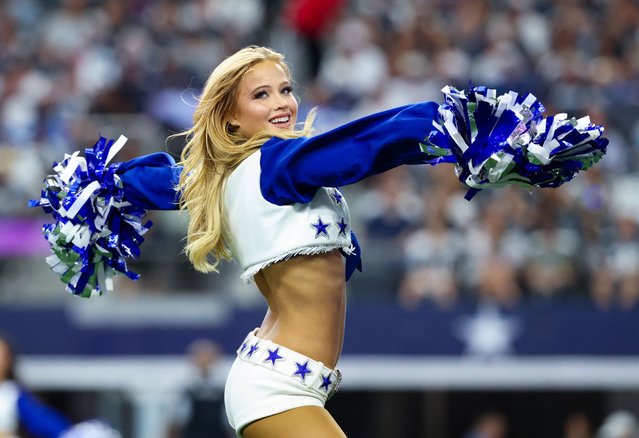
(249, 273)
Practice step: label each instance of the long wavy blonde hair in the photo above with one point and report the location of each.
(213, 150)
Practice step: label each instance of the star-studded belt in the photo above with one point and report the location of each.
(311, 373)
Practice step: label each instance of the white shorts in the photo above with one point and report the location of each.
(267, 379)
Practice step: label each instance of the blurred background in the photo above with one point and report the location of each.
(514, 315)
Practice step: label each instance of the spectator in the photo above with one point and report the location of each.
(577, 425)
(200, 411)
(550, 268)
(312, 20)
(353, 50)
(616, 279)
(389, 210)
(21, 410)
(489, 425)
(431, 256)
(498, 283)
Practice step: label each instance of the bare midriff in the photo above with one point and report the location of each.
(306, 298)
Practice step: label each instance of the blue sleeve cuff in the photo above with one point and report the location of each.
(150, 181)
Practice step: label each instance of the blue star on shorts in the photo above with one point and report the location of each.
(302, 370)
(326, 382)
(273, 355)
(252, 350)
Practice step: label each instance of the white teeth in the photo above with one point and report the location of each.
(280, 120)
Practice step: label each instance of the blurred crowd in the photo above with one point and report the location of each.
(71, 69)
(617, 424)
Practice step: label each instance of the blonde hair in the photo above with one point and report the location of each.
(213, 150)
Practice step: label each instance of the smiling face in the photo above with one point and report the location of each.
(265, 101)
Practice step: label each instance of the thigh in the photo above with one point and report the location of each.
(305, 421)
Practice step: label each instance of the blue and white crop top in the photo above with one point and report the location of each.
(280, 202)
(261, 233)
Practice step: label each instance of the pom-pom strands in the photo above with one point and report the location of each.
(95, 229)
(499, 140)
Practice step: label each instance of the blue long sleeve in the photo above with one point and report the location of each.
(150, 181)
(40, 420)
(293, 170)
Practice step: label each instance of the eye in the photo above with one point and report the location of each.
(260, 95)
(287, 90)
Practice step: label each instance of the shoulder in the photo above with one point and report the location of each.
(250, 160)
(250, 165)
(244, 180)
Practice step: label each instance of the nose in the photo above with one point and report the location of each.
(281, 102)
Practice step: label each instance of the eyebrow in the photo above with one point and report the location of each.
(285, 83)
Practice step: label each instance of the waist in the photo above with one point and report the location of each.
(323, 344)
(306, 296)
(267, 353)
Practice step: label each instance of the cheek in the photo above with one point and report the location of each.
(254, 118)
(259, 111)
(250, 115)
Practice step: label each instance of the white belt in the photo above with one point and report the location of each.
(309, 372)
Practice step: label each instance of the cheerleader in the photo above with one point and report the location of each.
(20, 410)
(261, 190)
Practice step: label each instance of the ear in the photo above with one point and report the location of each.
(232, 125)
(233, 121)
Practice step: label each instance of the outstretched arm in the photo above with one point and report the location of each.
(293, 170)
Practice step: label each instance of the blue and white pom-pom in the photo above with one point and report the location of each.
(95, 229)
(499, 140)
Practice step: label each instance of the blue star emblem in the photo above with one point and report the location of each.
(252, 350)
(337, 196)
(342, 227)
(273, 355)
(302, 370)
(243, 347)
(321, 228)
(326, 382)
